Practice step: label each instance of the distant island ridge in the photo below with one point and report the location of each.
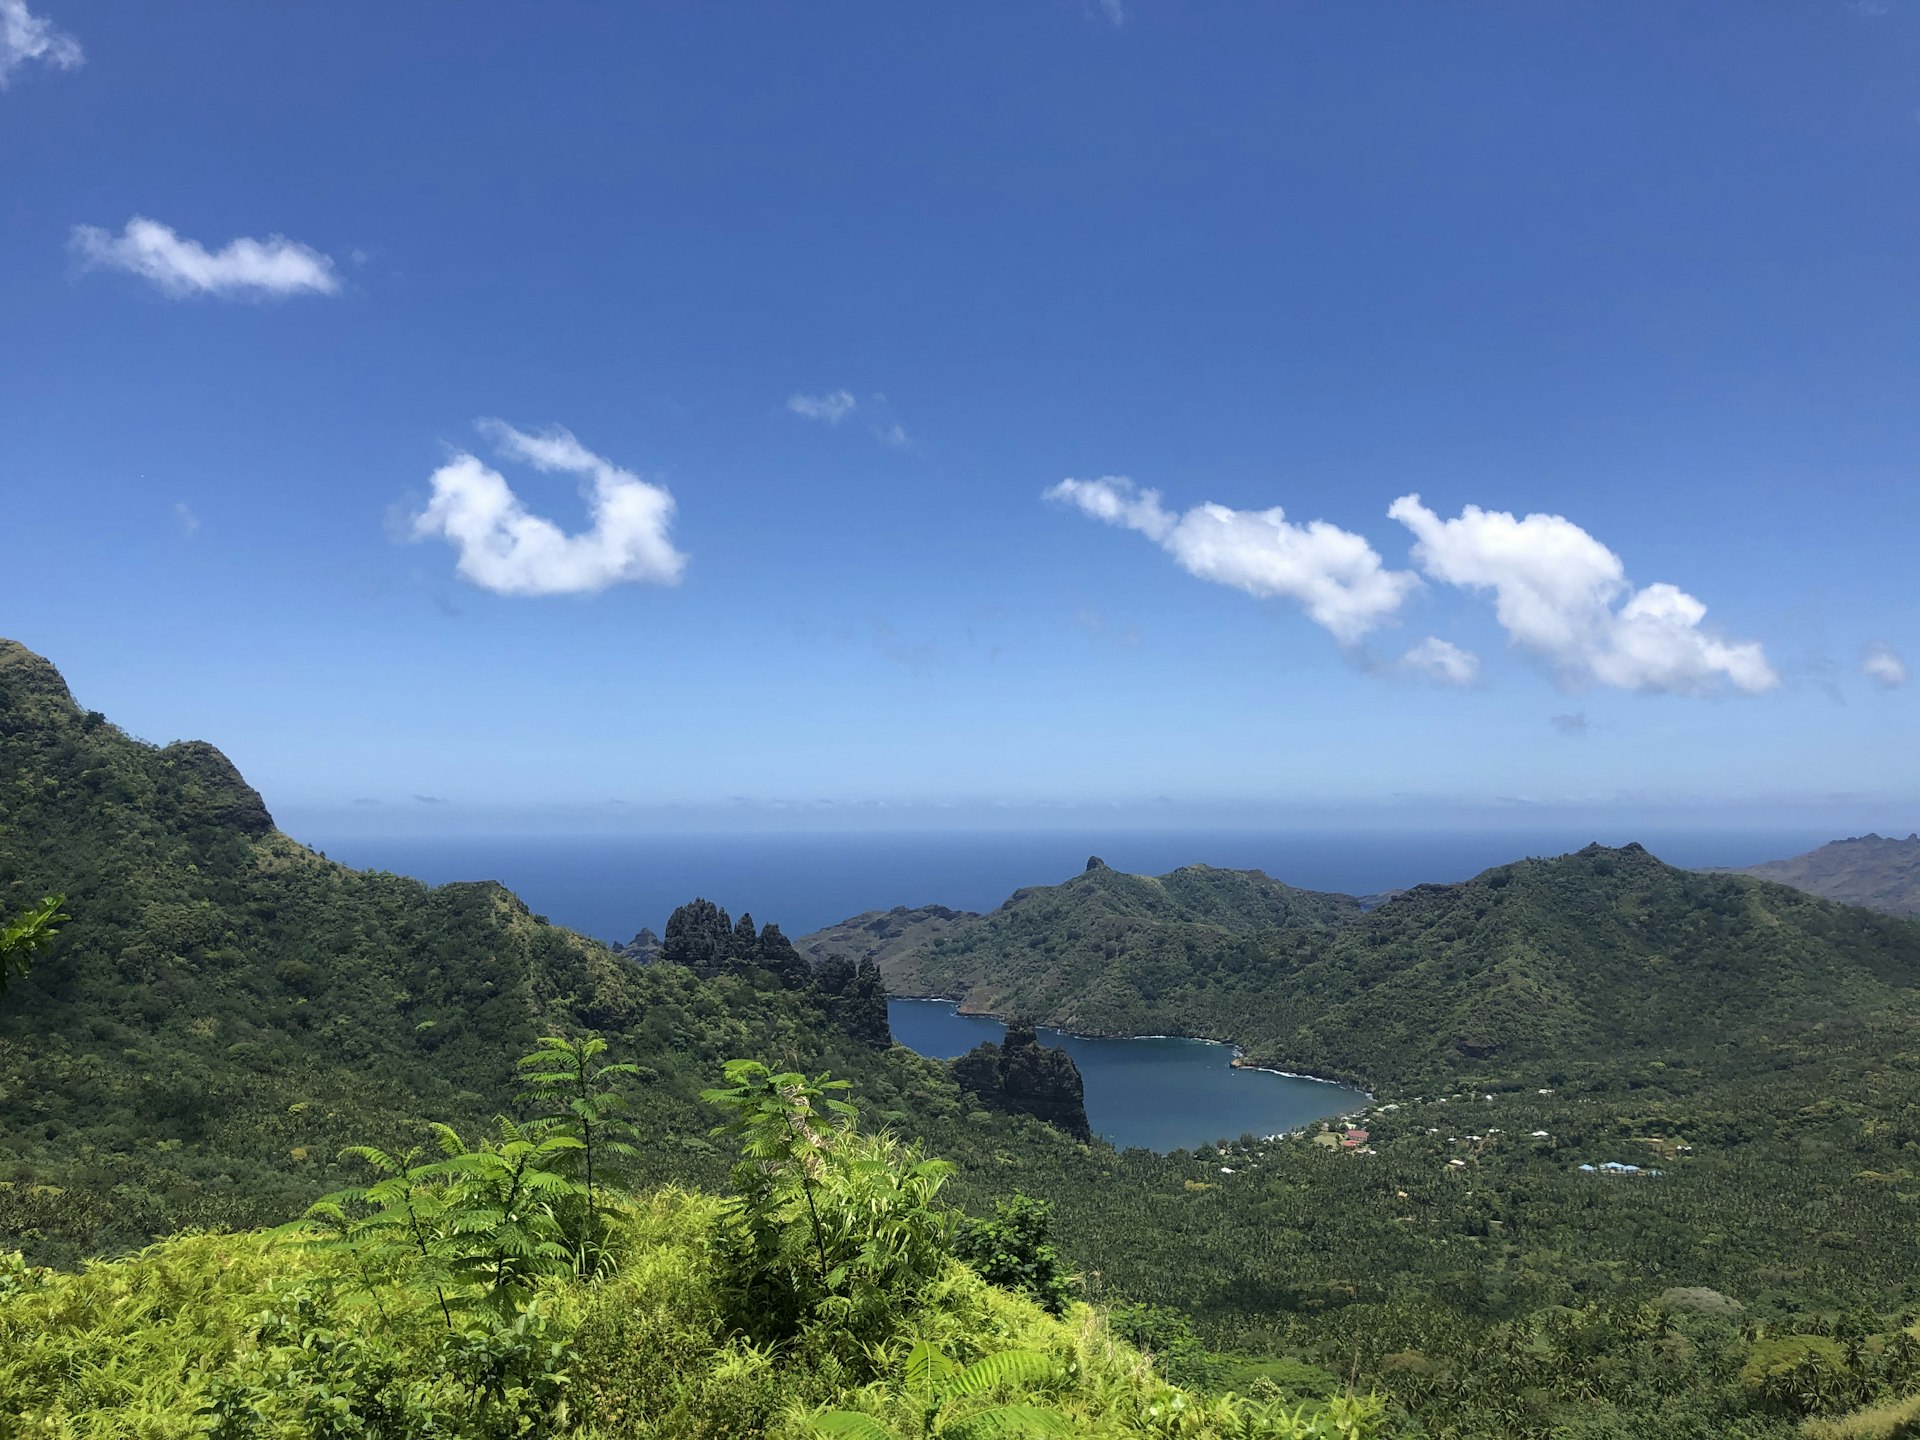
(1874, 871)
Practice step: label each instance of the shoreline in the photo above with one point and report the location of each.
(1233, 1063)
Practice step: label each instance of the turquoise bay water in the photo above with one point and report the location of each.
(1155, 1092)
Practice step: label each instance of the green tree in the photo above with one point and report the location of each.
(1012, 1250)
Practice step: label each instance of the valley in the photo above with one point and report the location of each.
(226, 1011)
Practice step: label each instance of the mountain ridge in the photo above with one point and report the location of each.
(1574, 956)
(227, 1008)
(1875, 871)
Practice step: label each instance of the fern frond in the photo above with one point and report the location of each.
(847, 1425)
(1009, 1367)
(1008, 1420)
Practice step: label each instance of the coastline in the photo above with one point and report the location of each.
(1235, 1062)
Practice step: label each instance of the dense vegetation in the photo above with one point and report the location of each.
(1051, 950)
(495, 1290)
(226, 1012)
(1552, 962)
(227, 1009)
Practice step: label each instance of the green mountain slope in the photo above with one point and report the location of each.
(1591, 957)
(1566, 960)
(1871, 870)
(227, 1009)
(1108, 951)
(880, 935)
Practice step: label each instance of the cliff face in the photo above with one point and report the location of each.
(1024, 1077)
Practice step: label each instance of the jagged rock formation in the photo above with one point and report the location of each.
(1021, 1076)
(643, 949)
(701, 937)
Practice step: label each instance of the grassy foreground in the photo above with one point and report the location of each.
(494, 1292)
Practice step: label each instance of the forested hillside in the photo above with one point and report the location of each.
(1558, 961)
(227, 1009)
(1104, 951)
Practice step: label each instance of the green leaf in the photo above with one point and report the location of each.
(848, 1425)
(1009, 1367)
(927, 1368)
(1005, 1420)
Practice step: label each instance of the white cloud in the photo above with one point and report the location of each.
(26, 37)
(1562, 594)
(832, 408)
(509, 550)
(184, 517)
(1118, 501)
(894, 437)
(1442, 661)
(1883, 663)
(1335, 575)
(244, 267)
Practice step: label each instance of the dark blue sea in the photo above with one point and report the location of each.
(1156, 1092)
(610, 886)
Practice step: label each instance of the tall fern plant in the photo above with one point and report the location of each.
(396, 1223)
(480, 1225)
(507, 1195)
(569, 1078)
(833, 1233)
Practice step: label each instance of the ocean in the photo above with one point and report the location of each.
(611, 886)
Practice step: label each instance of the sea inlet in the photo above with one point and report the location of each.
(1156, 1092)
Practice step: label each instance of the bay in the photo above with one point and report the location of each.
(1155, 1092)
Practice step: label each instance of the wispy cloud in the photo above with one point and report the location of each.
(505, 548)
(184, 517)
(1442, 662)
(832, 407)
(1114, 12)
(26, 37)
(837, 405)
(1884, 664)
(1564, 596)
(243, 268)
(1572, 725)
(1333, 574)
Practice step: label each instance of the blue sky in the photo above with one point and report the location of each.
(301, 305)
